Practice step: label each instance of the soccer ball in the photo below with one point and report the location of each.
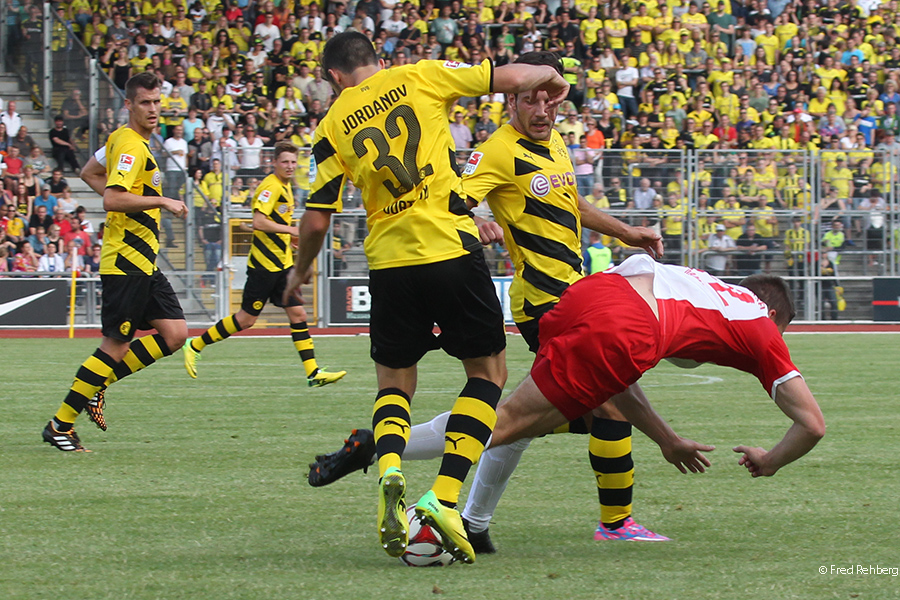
(424, 549)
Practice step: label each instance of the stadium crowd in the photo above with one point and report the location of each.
(748, 79)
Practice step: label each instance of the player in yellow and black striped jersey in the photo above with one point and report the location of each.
(388, 132)
(136, 295)
(271, 257)
(526, 175)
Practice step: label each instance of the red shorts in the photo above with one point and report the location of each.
(598, 340)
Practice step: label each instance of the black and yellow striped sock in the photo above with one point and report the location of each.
(218, 332)
(142, 353)
(90, 377)
(578, 426)
(391, 424)
(469, 428)
(610, 451)
(304, 345)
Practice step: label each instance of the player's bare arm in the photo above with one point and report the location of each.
(518, 78)
(263, 223)
(119, 200)
(686, 455)
(94, 174)
(639, 237)
(313, 228)
(797, 402)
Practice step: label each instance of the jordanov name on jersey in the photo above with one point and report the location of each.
(379, 105)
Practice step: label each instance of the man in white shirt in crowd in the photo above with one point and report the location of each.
(250, 150)
(11, 119)
(719, 243)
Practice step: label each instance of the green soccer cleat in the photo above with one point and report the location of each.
(393, 525)
(191, 357)
(447, 522)
(320, 377)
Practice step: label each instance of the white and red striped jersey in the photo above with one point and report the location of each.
(704, 319)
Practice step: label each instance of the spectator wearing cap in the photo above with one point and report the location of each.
(719, 244)
(141, 62)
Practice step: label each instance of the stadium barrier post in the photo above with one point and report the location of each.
(72, 304)
(48, 60)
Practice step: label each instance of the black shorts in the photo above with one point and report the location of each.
(530, 333)
(265, 286)
(130, 302)
(456, 294)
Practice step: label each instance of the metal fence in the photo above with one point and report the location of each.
(837, 203)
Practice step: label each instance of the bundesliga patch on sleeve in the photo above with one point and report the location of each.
(452, 64)
(472, 163)
(265, 196)
(126, 162)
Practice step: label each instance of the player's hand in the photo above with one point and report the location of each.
(489, 232)
(755, 461)
(557, 89)
(646, 238)
(687, 455)
(292, 288)
(176, 207)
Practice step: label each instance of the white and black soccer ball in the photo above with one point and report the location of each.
(424, 549)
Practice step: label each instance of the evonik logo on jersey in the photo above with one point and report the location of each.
(541, 184)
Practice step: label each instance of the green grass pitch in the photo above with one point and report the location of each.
(198, 489)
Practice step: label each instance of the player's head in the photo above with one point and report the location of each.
(142, 99)
(530, 112)
(343, 54)
(775, 293)
(285, 160)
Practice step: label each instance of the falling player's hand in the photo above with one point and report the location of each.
(754, 459)
(687, 455)
(176, 207)
(646, 238)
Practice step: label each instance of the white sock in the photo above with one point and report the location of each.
(494, 470)
(426, 440)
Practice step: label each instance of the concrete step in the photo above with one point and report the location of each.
(9, 85)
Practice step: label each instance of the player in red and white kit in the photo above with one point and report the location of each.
(610, 328)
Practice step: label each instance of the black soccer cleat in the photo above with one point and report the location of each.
(67, 441)
(94, 408)
(358, 453)
(481, 540)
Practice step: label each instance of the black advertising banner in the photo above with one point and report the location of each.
(350, 301)
(25, 302)
(886, 299)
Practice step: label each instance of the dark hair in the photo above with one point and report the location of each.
(541, 57)
(775, 292)
(284, 146)
(346, 52)
(145, 80)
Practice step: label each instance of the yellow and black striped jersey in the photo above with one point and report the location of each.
(530, 187)
(390, 136)
(131, 240)
(272, 251)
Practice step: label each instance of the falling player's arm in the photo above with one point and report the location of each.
(797, 402)
(639, 237)
(685, 454)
